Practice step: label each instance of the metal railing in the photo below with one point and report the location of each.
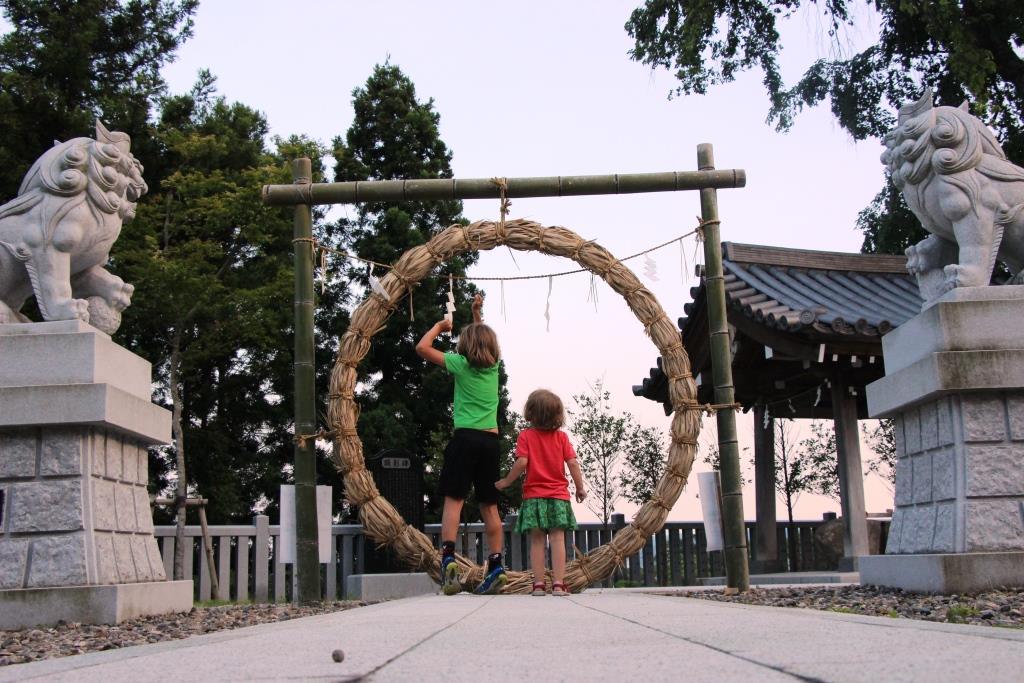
(247, 567)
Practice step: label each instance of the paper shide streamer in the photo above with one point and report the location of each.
(547, 307)
(650, 268)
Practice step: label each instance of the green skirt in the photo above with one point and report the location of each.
(545, 513)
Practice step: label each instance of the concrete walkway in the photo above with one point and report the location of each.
(596, 636)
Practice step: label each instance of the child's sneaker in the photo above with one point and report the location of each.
(493, 582)
(450, 575)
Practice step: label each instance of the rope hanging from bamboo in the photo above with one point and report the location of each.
(382, 522)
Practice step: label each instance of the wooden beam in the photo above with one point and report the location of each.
(851, 474)
(766, 548)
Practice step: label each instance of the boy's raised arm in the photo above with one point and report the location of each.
(478, 308)
(425, 347)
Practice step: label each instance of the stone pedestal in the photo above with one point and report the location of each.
(75, 421)
(954, 387)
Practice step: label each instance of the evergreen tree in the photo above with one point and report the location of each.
(68, 62)
(967, 49)
(214, 278)
(405, 402)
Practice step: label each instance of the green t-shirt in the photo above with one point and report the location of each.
(476, 393)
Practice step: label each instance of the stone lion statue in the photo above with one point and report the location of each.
(957, 181)
(55, 237)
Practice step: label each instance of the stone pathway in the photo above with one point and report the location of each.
(27, 645)
(595, 636)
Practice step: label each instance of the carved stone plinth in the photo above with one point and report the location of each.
(954, 387)
(75, 421)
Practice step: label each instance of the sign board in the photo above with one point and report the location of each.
(395, 463)
(286, 541)
(710, 504)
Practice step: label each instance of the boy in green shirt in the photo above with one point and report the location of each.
(472, 456)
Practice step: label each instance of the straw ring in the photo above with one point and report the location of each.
(381, 520)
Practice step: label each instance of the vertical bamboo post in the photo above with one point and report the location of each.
(736, 565)
(307, 565)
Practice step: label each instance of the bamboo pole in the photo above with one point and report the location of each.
(307, 565)
(736, 565)
(484, 188)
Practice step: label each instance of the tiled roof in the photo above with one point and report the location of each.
(786, 307)
(791, 289)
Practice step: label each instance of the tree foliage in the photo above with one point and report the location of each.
(601, 438)
(882, 440)
(643, 463)
(819, 461)
(213, 274)
(68, 62)
(962, 49)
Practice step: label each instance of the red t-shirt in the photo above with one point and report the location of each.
(546, 454)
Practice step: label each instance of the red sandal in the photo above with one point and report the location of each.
(538, 588)
(558, 588)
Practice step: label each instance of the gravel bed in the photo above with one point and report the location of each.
(28, 645)
(992, 608)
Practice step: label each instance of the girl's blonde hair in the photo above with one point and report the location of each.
(479, 344)
(544, 410)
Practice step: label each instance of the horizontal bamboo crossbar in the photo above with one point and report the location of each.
(485, 188)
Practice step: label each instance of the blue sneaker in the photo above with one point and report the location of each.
(493, 582)
(450, 576)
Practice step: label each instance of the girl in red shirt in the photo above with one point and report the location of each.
(543, 451)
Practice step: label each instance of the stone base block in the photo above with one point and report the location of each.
(92, 604)
(371, 587)
(945, 573)
(70, 352)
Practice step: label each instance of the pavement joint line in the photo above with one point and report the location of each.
(778, 669)
(366, 676)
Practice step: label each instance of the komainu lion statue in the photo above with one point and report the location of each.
(55, 237)
(957, 181)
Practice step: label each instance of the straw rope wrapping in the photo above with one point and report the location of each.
(380, 519)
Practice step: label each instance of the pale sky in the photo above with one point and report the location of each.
(542, 88)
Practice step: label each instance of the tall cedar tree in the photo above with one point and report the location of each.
(68, 62)
(962, 49)
(213, 273)
(406, 403)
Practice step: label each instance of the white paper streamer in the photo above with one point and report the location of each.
(684, 267)
(323, 271)
(592, 292)
(376, 286)
(504, 315)
(650, 268)
(450, 306)
(547, 307)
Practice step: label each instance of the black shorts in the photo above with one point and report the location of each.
(471, 459)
